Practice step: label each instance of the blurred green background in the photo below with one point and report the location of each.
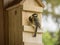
(51, 22)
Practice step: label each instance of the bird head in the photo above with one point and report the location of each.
(34, 15)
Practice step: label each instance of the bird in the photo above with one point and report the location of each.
(35, 21)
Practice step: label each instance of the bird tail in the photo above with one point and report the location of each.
(35, 32)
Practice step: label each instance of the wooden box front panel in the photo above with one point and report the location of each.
(25, 17)
(32, 5)
(15, 26)
(28, 37)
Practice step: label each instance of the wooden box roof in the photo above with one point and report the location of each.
(20, 2)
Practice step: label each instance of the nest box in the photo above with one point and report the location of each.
(17, 23)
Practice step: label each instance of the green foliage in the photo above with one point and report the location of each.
(58, 39)
(53, 2)
(48, 40)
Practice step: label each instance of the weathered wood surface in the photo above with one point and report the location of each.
(15, 26)
(32, 5)
(28, 43)
(19, 25)
(1, 23)
(28, 37)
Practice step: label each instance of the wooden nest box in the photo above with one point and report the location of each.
(17, 25)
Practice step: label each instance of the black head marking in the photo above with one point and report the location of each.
(34, 15)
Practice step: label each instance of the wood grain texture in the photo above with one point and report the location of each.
(14, 27)
(1, 23)
(40, 3)
(29, 43)
(32, 5)
(30, 29)
(28, 37)
(14, 24)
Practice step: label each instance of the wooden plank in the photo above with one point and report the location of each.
(18, 31)
(30, 29)
(11, 27)
(19, 25)
(6, 27)
(28, 37)
(1, 23)
(10, 8)
(17, 3)
(15, 26)
(29, 43)
(32, 11)
(32, 5)
(40, 3)
(33, 32)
